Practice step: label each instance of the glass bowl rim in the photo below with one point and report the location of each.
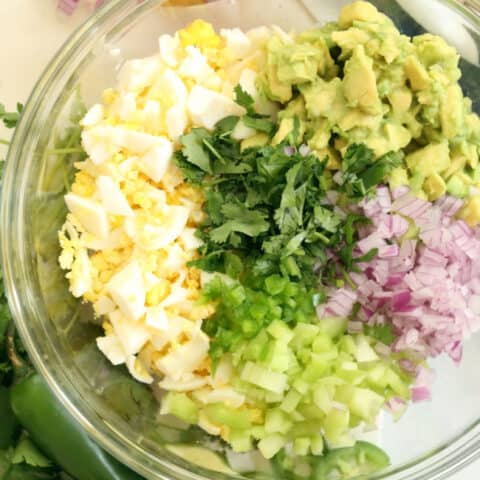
(435, 465)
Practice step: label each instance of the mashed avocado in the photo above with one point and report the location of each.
(360, 81)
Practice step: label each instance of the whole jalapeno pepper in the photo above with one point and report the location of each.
(8, 423)
(60, 436)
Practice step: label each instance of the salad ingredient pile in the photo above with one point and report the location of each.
(267, 224)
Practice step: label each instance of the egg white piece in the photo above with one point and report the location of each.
(169, 49)
(137, 74)
(127, 290)
(176, 119)
(93, 116)
(195, 65)
(169, 88)
(80, 275)
(112, 197)
(189, 239)
(155, 162)
(259, 35)
(112, 348)
(125, 106)
(184, 358)
(138, 370)
(206, 107)
(91, 215)
(152, 116)
(226, 395)
(183, 385)
(154, 237)
(237, 42)
(104, 305)
(205, 424)
(98, 143)
(132, 335)
(114, 240)
(157, 318)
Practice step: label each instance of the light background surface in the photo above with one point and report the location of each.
(32, 31)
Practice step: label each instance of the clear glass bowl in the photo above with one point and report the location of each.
(430, 442)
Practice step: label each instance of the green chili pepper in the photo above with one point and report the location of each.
(8, 422)
(60, 437)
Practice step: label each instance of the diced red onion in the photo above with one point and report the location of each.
(304, 150)
(420, 394)
(67, 6)
(289, 150)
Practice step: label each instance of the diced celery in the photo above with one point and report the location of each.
(258, 432)
(290, 401)
(364, 352)
(180, 405)
(278, 330)
(279, 356)
(271, 397)
(301, 446)
(354, 377)
(365, 403)
(377, 376)
(400, 387)
(323, 396)
(303, 335)
(333, 326)
(297, 416)
(322, 343)
(317, 367)
(257, 347)
(240, 440)
(277, 421)
(257, 375)
(301, 386)
(306, 429)
(336, 425)
(343, 393)
(220, 414)
(304, 355)
(271, 445)
(316, 444)
(310, 411)
(347, 344)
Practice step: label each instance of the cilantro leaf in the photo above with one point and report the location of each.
(10, 119)
(238, 218)
(244, 99)
(326, 219)
(27, 452)
(383, 333)
(193, 148)
(263, 124)
(361, 171)
(375, 174)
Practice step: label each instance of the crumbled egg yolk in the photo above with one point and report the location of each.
(201, 34)
(129, 233)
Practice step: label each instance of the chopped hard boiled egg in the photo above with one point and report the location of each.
(131, 227)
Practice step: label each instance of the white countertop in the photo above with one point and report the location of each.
(32, 31)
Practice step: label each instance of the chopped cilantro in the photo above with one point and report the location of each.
(268, 205)
(244, 99)
(383, 333)
(10, 119)
(362, 171)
